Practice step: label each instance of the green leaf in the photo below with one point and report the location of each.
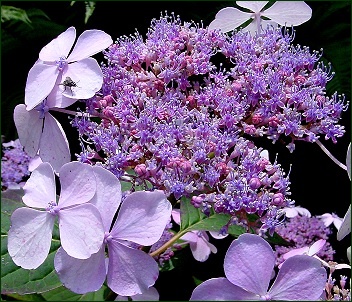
(9, 13)
(193, 219)
(90, 7)
(13, 278)
(276, 239)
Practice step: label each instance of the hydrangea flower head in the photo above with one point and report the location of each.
(14, 164)
(141, 219)
(248, 266)
(80, 225)
(290, 13)
(56, 63)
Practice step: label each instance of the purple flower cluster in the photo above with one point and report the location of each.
(177, 106)
(14, 164)
(304, 231)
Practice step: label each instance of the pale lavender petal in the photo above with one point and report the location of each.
(217, 235)
(150, 295)
(40, 81)
(295, 252)
(81, 230)
(29, 237)
(348, 161)
(290, 212)
(34, 163)
(89, 43)
(88, 77)
(176, 216)
(202, 249)
(40, 188)
(130, 271)
(303, 211)
(78, 184)
(53, 146)
(327, 219)
(290, 13)
(108, 195)
(249, 262)
(59, 47)
(190, 237)
(78, 275)
(220, 289)
(300, 278)
(316, 247)
(337, 222)
(345, 227)
(254, 6)
(228, 19)
(29, 128)
(142, 217)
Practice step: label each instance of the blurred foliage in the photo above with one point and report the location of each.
(9, 13)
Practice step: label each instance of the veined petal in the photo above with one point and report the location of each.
(29, 128)
(142, 217)
(59, 47)
(108, 195)
(300, 278)
(220, 289)
(53, 146)
(254, 6)
(40, 81)
(40, 188)
(81, 230)
(81, 275)
(78, 184)
(29, 237)
(88, 77)
(228, 19)
(130, 271)
(249, 262)
(89, 43)
(290, 13)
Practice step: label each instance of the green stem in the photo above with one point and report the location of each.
(168, 244)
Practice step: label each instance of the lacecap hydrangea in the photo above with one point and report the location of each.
(178, 110)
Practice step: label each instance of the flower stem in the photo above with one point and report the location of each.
(327, 152)
(168, 244)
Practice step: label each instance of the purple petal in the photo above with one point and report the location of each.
(58, 153)
(29, 128)
(40, 81)
(316, 247)
(88, 77)
(78, 184)
(89, 43)
(108, 195)
(142, 217)
(40, 188)
(295, 252)
(176, 216)
(228, 19)
(59, 47)
(220, 289)
(78, 275)
(150, 295)
(254, 6)
(345, 227)
(249, 262)
(130, 271)
(290, 13)
(29, 237)
(81, 230)
(300, 278)
(202, 249)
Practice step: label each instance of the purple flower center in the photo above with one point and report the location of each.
(52, 208)
(42, 108)
(61, 63)
(107, 237)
